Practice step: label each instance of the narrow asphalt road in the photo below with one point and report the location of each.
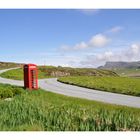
(54, 86)
(10, 81)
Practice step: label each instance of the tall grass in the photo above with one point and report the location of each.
(123, 85)
(41, 110)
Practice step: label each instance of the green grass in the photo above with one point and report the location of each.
(132, 72)
(41, 110)
(8, 91)
(17, 74)
(124, 85)
(13, 74)
(77, 71)
(46, 72)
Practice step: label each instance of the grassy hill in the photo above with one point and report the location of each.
(68, 71)
(129, 72)
(129, 69)
(6, 65)
(51, 71)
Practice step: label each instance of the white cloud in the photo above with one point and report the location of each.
(97, 59)
(89, 11)
(99, 40)
(135, 49)
(65, 65)
(65, 48)
(105, 56)
(115, 29)
(131, 53)
(81, 45)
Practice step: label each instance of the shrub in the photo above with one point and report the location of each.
(18, 91)
(6, 93)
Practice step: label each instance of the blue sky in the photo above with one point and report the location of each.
(78, 38)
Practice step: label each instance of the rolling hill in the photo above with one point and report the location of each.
(53, 71)
(6, 65)
(120, 65)
(131, 69)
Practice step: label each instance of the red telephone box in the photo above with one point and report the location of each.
(30, 76)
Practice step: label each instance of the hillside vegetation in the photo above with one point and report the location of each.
(123, 85)
(8, 91)
(68, 71)
(39, 110)
(51, 71)
(17, 74)
(131, 72)
(129, 69)
(6, 65)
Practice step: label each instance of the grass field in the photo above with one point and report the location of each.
(17, 74)
(51, 71)
(124, 85)
(129, 72)
(41, 110)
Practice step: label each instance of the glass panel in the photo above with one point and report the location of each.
(33, 78)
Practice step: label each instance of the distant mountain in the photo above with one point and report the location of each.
(120, 65)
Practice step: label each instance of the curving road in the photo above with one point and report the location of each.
(10, 81)
(54, 86)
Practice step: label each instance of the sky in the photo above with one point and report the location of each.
(76, 38)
